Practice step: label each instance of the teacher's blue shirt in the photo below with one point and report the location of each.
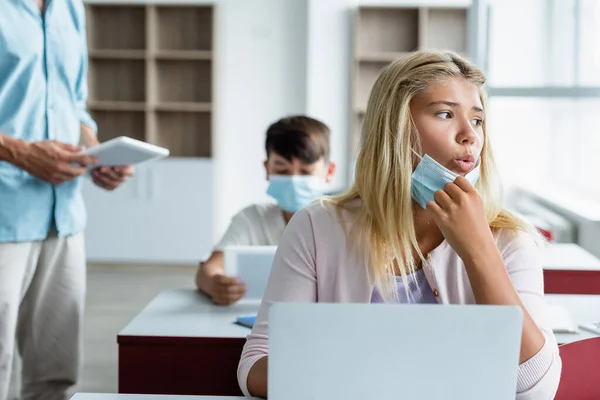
(43, 91)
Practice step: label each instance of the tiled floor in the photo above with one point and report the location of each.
(115, 295)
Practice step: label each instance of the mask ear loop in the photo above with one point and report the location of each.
(416, 137)
(416, 154)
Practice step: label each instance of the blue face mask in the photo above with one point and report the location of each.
(430, 176)
(294, 192)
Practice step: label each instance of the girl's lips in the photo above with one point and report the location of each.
(462, 166)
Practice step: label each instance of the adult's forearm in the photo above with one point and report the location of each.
(10, 148)
(491, 285)
(88, 136)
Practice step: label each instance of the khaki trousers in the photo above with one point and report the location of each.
(42, 292)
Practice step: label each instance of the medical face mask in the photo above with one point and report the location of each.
(294, 192)
(430, 176)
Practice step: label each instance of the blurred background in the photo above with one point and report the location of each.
(206, 78)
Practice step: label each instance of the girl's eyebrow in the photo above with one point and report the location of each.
(453, 105)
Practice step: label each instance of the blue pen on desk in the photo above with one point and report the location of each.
(247, 321)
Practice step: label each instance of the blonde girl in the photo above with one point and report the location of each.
(422, 222)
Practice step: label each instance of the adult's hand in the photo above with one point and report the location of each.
(109, 178)
(53, 161)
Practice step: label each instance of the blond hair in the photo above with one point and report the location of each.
(384, 226)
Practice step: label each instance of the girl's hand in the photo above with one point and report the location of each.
(459, 213)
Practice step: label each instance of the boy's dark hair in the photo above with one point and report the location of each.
(299, 137)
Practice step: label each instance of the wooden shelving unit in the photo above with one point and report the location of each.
(150, 74)
(384, 34)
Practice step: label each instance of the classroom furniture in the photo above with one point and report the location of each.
(570, 269)
(150, 77)
(582, 309)
(580, 377)
(383, 34)
(183, 344)
(110, 396)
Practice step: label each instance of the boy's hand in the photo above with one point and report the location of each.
(226, 290)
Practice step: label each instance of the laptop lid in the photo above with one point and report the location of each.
(348, 351)
(252, 264)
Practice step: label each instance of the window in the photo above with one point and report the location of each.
(543, 65)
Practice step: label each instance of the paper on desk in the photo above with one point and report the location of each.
(560, 319)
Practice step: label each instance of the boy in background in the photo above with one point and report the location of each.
(297, 168)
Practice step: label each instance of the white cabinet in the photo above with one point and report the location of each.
(162, 215)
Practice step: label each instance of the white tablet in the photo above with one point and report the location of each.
(126, 151)
(252, 264)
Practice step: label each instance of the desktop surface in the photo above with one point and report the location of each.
(568, 256)
(188, 313)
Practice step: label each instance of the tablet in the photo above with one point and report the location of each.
(125, 151)
(252, 264)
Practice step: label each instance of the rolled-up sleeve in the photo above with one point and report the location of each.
(292, 279)
(538, 377)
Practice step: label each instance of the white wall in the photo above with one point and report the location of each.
(260, 77)
(328, 75)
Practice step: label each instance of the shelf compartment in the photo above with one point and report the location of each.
(184, 107)
(183, 55)
(446, 29)
(184, 81)
(357, 122)
(117, 105)
(112, 124)
(382, 56)
(384, 30)
(117, 80)
(185, 134)
(116, 27)
(184, 28)
(368, 72)
(117, 54)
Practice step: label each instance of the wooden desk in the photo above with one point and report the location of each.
(183, 344)
(107, 396)
(569, 269)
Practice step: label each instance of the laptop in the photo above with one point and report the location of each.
(252, 264)
(324, 351)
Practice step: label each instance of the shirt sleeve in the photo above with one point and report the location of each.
(81, 86)
(539, 376)
(238, 232)
(293, 279)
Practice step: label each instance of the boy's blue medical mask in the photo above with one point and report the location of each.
(294, 192)
(430, 176)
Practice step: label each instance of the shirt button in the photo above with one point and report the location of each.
(436, 293)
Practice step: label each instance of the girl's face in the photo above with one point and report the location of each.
(449, 117)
